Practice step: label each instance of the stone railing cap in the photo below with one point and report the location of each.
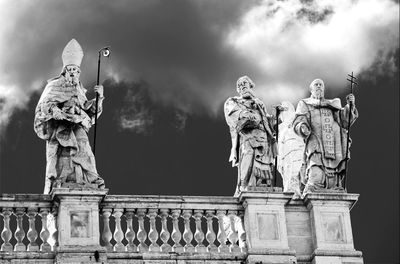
(350, 198)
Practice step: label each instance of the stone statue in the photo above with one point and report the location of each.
(253, 143)
(323, 125)
(63, 118)
(291, 151)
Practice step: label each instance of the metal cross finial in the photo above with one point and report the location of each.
(351, 80)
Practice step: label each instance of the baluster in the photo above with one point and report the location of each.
(176, 234)
(242, 233)
(199, 234)
(118, 234)
(221, 232)
(187, 234)
(142, 234)
(6, 233)
(210, 235)
(165, 235)
(32, 233)
(107, 235)
(19, 232)
(52, 225)
(153, 234)
(233, 236)
(45, 233)
(130, 233)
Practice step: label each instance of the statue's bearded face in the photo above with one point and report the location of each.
(245, 89)
(72, 74)
(317, 89)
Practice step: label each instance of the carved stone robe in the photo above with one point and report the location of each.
(68, 153)
(327, 143)
(252, 139)
(291, 153)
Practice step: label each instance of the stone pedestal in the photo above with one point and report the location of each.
(265, 225)
(331, 228)
(78, 225)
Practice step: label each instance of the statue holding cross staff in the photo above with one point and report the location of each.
(324, 125)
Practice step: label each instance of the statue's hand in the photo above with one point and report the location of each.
(305, 130)
(351, 99)
(100, 90)
(233, 158)
(86, 122)
(281, 108)
(57, 113)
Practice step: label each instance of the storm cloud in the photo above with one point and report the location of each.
(190, 53)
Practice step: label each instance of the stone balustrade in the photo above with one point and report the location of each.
(256, 227)
(172, 224)
(25, 221)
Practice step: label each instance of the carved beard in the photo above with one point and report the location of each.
(317, 94)
(247, 93)
(71, 80)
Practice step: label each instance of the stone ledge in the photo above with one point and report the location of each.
(334, 198)
(78, 192)
(275, 251)
(263, 194)
(25, 200)
(171, 202)
(177, 256)
(304, 258)
(336, 253)
(80, 249)
(331, 196)
(263, 189)
(271, 259)
(27, 255)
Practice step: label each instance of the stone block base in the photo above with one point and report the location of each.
(337, 257)
(271, 259)
(80, 255)
(26, 257)
(271, 256)
(337, 260)
(174, 258)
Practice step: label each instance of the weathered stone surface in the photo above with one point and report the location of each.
(78, 216)
(253, 138)
(336, 260)
(324, 124)
(271, 259)
(63, 117)
(331, 226)
(278, 228)
(298, 225)
(291, 151)
(27, 257)
(172, 202)
(81, 255)
(26, 200)
(265, 220)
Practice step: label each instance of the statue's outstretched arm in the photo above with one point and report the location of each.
(232, 116)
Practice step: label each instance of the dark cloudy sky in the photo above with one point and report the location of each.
(172, 66)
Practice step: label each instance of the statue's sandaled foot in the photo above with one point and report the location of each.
(339, 189)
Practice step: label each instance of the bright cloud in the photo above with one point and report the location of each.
(294, 42)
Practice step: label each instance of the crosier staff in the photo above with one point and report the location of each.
(351, 80)
(277, 109)
(105, 52)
